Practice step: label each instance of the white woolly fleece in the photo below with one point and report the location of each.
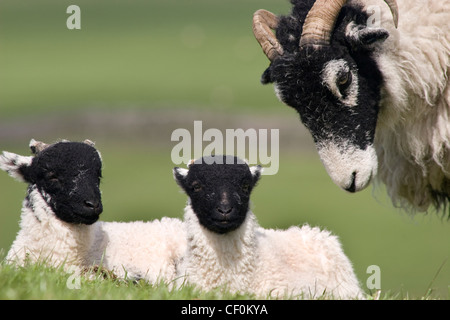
(44, 237)
(299, 262)
(146, 250)
(138, 249)
(413, 132)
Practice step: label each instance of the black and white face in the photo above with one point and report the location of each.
(338, 103)
(323, 64)
(67, 174)
(219, 191)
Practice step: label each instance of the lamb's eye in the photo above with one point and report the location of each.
(246, 187)
(52, 177)
(344, 80)
(196, 186)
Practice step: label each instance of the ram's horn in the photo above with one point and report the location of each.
(263, 23)
(394, 10)
(320, 21)
(89, 142)
(37, 146)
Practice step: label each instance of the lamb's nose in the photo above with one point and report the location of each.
(91, 204)
(94, 205)
(224, 210)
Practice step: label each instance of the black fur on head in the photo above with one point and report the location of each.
(219, 189)
(335, 88)
(352, 116)
(67, 174)
(340, 102)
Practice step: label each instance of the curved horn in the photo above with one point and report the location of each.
(320, 21)
(394, 10)
(263, 22)
(89, 142)
(37, 146)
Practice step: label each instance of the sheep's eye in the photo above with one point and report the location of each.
(344, 80)
(196, 186)
(52, 177)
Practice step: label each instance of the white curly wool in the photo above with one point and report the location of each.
(301, 262)
(413, 131)
(305, 262)
(137, 250)
(44, 237)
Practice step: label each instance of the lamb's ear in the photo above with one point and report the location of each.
(92, 144)
(256, 173)
(16, 166)
(365, 37)
(37, 146)
(179, 175)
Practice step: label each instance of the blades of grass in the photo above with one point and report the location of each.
(429, 288)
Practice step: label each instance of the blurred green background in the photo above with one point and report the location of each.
(136, 71)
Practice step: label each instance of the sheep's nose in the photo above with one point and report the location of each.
(352, 187)
(224, 210)
(93, 205)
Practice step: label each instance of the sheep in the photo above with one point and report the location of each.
(226, 247)
(374, 93)
(59, 218)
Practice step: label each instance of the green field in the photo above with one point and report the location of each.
(139, 53)
(152, 59)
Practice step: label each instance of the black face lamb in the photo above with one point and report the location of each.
(219, 190)
(322, 66)
(67, 174)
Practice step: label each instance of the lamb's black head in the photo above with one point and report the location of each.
(322, 65)
(219, 189)
(67, 174)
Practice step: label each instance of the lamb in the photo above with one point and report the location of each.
(59, 218)
(226, 247)
(374, 93)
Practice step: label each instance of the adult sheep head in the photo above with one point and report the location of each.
(66, 174)
(322, 65)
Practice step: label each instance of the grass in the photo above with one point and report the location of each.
(37, 281)
(40, 282)
(140, 53)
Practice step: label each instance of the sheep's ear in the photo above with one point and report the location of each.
(256, 173)
(179, 175)
(16, 166)
(37, 146)
(266, 77)
(366, 37)
(191, 162)
(92, 144)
